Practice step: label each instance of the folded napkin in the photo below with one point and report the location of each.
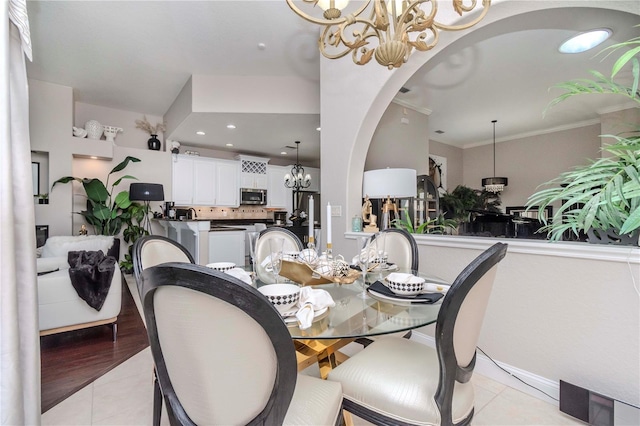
(240, 274)
(311, 300)
(382, 289)
(372, 254)
(266, 262)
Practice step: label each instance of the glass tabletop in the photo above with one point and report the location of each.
(354, 316)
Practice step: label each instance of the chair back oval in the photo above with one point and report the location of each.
(210, 372)
(152, 250)
(401, 248)
(291, 243)
(459, 322)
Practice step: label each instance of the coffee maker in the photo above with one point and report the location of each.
(280, 217)
(169, 210)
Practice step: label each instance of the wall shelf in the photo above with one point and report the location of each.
(91, 148)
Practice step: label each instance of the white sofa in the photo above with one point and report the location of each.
(60, 307)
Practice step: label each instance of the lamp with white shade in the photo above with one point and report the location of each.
(389, 183)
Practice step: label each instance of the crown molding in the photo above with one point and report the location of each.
(406, 104)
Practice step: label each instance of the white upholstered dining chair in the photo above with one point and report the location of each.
(223, 354)
(401, 248)
(396, 381)
(291, 243)
(148, 251)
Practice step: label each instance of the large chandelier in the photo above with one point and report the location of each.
(494, 184)
(297, 179)
(396, 27)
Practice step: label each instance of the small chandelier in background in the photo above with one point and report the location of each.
(398, 25)
(297, 180)
(494, 184)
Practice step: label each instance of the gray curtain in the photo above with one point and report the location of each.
(19, 341)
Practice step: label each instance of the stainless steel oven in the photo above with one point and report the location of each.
(253, 196)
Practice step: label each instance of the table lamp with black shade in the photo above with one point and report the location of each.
(146, 192)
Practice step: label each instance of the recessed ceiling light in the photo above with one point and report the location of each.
(231, 126)
(93, 157)
(283, 153)
(318, 128)
(585, 41)
(200, 133)
(229, 144)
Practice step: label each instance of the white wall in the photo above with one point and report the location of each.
(50, 125)
(410, 141)
(350, 112)
(556, 316)
(531, 161)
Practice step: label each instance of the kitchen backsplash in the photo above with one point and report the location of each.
(230, 213)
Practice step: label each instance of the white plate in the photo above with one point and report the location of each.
(290, 316)
(385, 268)
(435, 288)
(384, 297)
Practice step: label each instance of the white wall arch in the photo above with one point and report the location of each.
(354, 98)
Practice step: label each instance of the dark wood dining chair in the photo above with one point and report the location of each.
(224, 355)
(396, 381)
(148, 251)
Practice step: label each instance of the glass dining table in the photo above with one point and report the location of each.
(355, 317)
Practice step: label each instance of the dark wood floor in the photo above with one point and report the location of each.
(74, 359)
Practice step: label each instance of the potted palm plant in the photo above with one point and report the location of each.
(601, 198)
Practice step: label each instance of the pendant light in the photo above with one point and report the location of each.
(297, 179)
(494, 184)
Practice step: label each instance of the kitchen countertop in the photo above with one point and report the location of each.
(217, 228)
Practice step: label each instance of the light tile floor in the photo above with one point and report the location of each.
(124, 396)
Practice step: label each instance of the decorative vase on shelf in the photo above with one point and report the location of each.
(154, 143)
(94, 129)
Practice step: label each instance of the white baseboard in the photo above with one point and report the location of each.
(488, 369)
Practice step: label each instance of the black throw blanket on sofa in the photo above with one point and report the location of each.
(91, 273)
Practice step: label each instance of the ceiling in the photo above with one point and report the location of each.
(138, 55)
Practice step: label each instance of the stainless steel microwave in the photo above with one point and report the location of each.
(253, 196)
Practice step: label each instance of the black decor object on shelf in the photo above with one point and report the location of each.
(154, 143)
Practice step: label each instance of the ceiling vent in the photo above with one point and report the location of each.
(404, 90)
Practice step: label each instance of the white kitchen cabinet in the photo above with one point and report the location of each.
(253, 172)
(182, 180)
(227, 246)
(278, 195)
(253, 181)
(204, 181)
(226, 183)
